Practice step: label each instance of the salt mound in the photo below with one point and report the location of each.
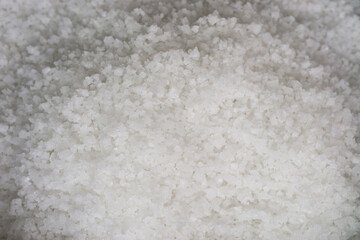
(179, 120)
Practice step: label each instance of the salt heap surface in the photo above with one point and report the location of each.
(179, 119)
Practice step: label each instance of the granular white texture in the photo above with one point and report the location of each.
(182, 119)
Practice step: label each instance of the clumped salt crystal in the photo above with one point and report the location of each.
(254, 28)
(118, 72)
(16, 207)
